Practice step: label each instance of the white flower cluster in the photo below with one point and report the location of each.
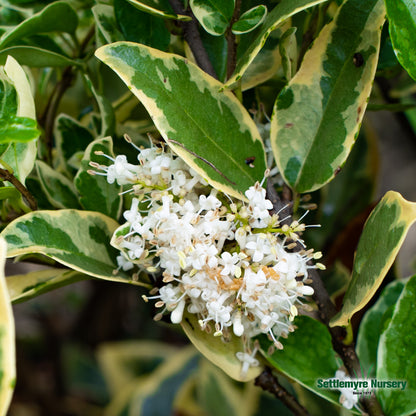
(226, 261)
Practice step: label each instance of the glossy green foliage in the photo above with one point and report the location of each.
(402, 28)
(213, 15)
(396, 355)
(317, 116)
(249, 20)
(56, 17)
(382, 237)
(373, 325)
(172, 90)
(276, 17)
(23, 287)
(77, 239)
(307, 356)
(139, 26)
(96, 194)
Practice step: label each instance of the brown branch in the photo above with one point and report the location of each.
(268, 382)
(7, 176)
(192, 37)
(47, 120)
(326, 310)
(232, 42)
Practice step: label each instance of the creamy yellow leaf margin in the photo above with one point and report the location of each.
(364, 285)
(157, 12)
(111, 224)
(309, 78)
(21, 156)
(215, 87)
(7, 347)
(25, 286)
(222, 354)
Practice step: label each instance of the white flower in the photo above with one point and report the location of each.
(220, 262)
(347, 398)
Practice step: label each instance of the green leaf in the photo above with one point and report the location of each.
(216, 47)
(402, 28)
(206, 127)
(108, 119)
(372, 326)
(249, 20)
(59, 190)
(106, 23)
(7, 341)
(76, 239)
(289, 51)
(265, 65)
(214, 15)
(277, 16)
(23, 287)
(316, 118)
(21, 156)
(396, 356)
(13, 128)
(141, 27)
(307, 356)
(96, 194)
(70, 137)
(382, 237)
(36, 57)
(159, 8)
(7, 192)
(57, 17)
(222, 354)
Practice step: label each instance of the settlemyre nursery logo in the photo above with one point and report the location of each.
(352, 389)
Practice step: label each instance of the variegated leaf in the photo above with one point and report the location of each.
(36, 57)
(316, 118)
(23, 287)
(402, 28)
(277, 16)
(108, 119)
(77, 239)
(222, 354)
(206, 127)
(214, 15)
(59, 190)
(58, 16)
(373, 325)
(106, 23)
(70, 137)
(307, 356)
(250, 20)
(382, 237)
(7, 348)
(96, 194)
(21, 156)
(396, 355)
(159, 8)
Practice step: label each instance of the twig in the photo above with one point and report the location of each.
(267, 381)
(47, 120)
(326, 311)
(231, 41)
(191, 35)
(7, 176)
